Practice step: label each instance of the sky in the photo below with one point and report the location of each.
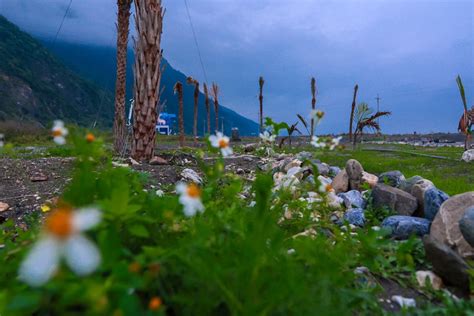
(408, 52)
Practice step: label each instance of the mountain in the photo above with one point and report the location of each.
(97, 63)
(35, 86)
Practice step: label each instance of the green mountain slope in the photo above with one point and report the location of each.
(97, 63)
(35, 86)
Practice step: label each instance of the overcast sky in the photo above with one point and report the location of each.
(407, 51)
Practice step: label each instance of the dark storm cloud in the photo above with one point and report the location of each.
(407, 51)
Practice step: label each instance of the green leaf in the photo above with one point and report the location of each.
(139, 231)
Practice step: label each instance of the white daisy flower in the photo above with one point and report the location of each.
(59, 132)
(62, 238)
(316, 114)
(160, 193)
(190, 198)
(317, 142)
(221, 141)
(325, 186)
(335, 142)
(267, 138)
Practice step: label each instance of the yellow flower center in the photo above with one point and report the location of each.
(320, 114)
(223, 143)
(329, 188)
(90, 137)
(193, 191)
(154, 304)
(57, 132)
(59, 223)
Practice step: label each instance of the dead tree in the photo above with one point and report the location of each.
(261, 82)
(208, 108)
(120, 129)
(178, 89)
(356, 88)
(313, 103)
(147, 69)
(215, 95)
(191, 80)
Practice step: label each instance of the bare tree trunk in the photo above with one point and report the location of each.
(215, 94)
(178, 88)
(356, 88)
(313, 102)
(148, 54)
(120, 129)
(208, 109)
(261, 82)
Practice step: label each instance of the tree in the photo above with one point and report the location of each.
(261, 82)
(467, 118)
(123, 21)
(363, 118)
(178, 89)
(208, 108)
(356, 88)
(147, 70)
(215, 95)
(191, 80)
(313, 102)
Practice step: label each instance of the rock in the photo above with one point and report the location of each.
(334, 201)
(404, 302)
(310, 179)
(324, 180)
(296, 172)
(323, 169)
(445, 227)
(292, 164)
(447, 263)
(395, 199)
(304, 155)
(422, 276)
(250, 147)
(158, 161)
(352, 198)
(402, 227)
(433, 200)
(191, 175)
(466, 225)
(240, 171)
(355, 216)
(370, 179)
(4, 207)
(468, 155)
(354, 172)
(39, 177)
(418, 191)
(407, 185)
(392, 178)
(334, 171)
(340, 183)
(132, 162)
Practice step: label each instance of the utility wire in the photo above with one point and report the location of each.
(62, 22)
(195, 40)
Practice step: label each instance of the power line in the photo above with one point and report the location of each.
(195, 40)
(62, 22)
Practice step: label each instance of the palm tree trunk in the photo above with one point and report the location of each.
(148, 54)
(313, 103)
(120, 129)
(208, 109)
(261, 82)
(215, 92)
(178, 88)
(356, 88)
(196, 103)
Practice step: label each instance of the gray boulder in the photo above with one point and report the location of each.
(392, 178)
(432, 202)
(468, 155)
(323, 169)
(353, 198)
(355, 216)
(418, 191)
(407, 185)
(340, 183)
(466, 224)
(354, 171)
(447, 263)
(395, 199)
(402, 227)
(334, 171)
(304, 155)
(445, 227)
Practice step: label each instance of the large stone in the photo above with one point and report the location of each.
(468, 155)
(352, 198)
(445, 227)
(423, 276)
(191, 175)
(370, 179)
(323, 169)
(354, 172)
(292, 164)
(334, 171)
(466, 225)
(392, 178)
(395, 199)
(407, 185)
(304, 155)
(4, 207)
(159, 161)
(340, 183)
(447, 263)
(418, 191)
(355, 216)
(402, 227)
(433, 200)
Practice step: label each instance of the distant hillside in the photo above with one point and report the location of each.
(36, 86)
(97, 63)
